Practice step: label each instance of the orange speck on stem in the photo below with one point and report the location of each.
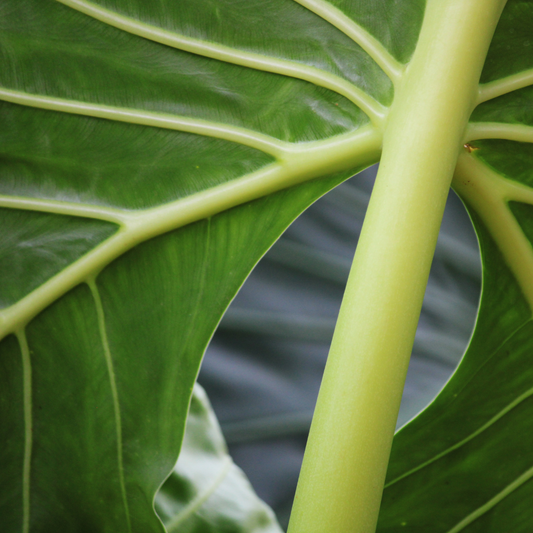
(470, 148)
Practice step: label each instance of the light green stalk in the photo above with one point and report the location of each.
(348, 449)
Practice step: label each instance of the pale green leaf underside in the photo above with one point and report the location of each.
(206, 490)
(149, 153)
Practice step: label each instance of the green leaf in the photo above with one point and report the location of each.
(206, 491)
(142, 183)
(151, 153)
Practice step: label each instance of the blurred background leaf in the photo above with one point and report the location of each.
(206, 491)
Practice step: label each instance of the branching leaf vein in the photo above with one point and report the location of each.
(375, 111)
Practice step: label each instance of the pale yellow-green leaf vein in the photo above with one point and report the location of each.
(197, 503)
(518, 482)
(356, 149)
(60, 207)
(392, 68)
(28, 428)
(114, 392)
(493, 89)
(375, 111)
(498, 130)
(470, 437)
(488, 194)
(236, 134)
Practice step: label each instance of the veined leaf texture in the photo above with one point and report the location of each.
(151, 154)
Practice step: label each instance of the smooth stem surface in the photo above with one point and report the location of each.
(346, 458)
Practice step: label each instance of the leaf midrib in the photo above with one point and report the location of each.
(527, 475)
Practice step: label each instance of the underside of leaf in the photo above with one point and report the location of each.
(151, 153)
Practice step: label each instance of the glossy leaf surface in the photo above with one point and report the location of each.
(151, 154)
(140, 183)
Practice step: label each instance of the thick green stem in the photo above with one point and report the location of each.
(348, 449)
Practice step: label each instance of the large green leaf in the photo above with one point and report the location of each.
(142, 183)
(151, 154)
